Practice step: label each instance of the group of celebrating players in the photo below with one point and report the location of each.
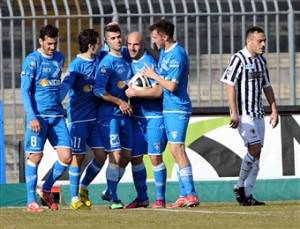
(123, 103)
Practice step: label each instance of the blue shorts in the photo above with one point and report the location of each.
(149, 136)
(176, 125)
(84, 133)
(53, 128)
(116, 133)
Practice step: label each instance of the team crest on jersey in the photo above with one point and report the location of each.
(87, 88)
(157, 146)
(44, 83)
(174, 134)
(103, 70)
(121, 84)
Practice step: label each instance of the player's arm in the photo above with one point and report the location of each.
(102, 76)
(271, 100)
(67, 84)
(234, 117)
(27, 75)
(149, 93)
(168, 84)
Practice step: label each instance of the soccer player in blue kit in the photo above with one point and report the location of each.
(148, 127)
(82, 113)
(172, 75)
(112, 76)
(40, 85)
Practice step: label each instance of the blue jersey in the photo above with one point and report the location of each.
(40, 84)
(173, 65)
(112, 76)
(79, 81)
(145, 107)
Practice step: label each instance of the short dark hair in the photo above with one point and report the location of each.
(254, 29)
(163, 26)
(86, 37)
(112, 28)
(48, 30)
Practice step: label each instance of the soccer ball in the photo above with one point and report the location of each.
(139, 82)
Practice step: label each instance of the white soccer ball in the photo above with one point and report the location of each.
(139, 82)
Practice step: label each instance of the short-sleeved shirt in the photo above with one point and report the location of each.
(249, 74)
(173, 65)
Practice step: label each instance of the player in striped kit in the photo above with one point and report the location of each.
(245, 77)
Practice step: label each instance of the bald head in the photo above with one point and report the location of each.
(135, 45)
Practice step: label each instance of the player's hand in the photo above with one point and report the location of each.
(35, 125)
(130, 92)
(274, 119)
(234, 120)
(126, 108)
(150, 73)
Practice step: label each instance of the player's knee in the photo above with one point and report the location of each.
(255, 150)
(136, 160)
(35, 158)
(156, 160)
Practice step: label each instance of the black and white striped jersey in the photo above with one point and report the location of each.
(249, 74)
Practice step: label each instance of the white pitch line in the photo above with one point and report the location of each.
(200, 211)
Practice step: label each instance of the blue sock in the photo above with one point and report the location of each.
(182, 191)
(74, 176)
(112, 177)
(186, 176)
(139, 175)
(31, 181)
(92, 171)
(56, 172)
(160, 178)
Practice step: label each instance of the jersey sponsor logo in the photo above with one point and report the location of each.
(249, 66)
(255, 75)
(121, 84)
(53, 82)
(174, 64)
(87, 88)
(46, 70)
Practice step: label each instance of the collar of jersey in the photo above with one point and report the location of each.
(170, 49)
(119, 56)
(44, 55)
(142, 57)
(84, 58)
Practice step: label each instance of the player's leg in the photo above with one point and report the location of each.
(156, 139)
(78, 133)
(176, 127)
(110, 132)
(255, 151)
(32, 163)
(139, 175)
(252, 139)
(34, 145)
(138, 169)
(93, 168)
(58, 136)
